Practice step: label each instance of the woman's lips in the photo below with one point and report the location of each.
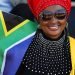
(53, 27)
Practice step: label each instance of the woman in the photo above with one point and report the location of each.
(50, 52)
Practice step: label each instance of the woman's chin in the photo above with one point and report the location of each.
(54, 34)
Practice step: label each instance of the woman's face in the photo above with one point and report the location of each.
(53, 21)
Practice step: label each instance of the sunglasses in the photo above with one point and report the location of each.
(47, 15)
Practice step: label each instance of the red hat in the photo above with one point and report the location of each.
(38, 6)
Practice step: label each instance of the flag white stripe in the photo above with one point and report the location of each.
(6, 50)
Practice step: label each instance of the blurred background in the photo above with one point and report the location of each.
(72, 20)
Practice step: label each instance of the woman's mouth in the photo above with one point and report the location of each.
(53, 27)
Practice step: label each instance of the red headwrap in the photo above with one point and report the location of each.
(38, 6)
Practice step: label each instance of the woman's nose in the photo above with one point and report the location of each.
(54, 20)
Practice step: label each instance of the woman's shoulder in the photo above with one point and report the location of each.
(72, 47)
(72, 40)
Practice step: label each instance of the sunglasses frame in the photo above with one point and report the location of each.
(46, 13)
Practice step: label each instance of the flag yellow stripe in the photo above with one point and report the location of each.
(13, 29)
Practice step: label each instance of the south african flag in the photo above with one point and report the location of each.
(15, 36)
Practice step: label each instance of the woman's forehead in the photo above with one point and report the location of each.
(54, 8)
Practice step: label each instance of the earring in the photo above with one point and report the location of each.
(67, 26)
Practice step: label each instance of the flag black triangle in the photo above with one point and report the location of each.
(11, 20)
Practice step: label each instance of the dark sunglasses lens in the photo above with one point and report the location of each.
(60, 16)
(46, 17)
